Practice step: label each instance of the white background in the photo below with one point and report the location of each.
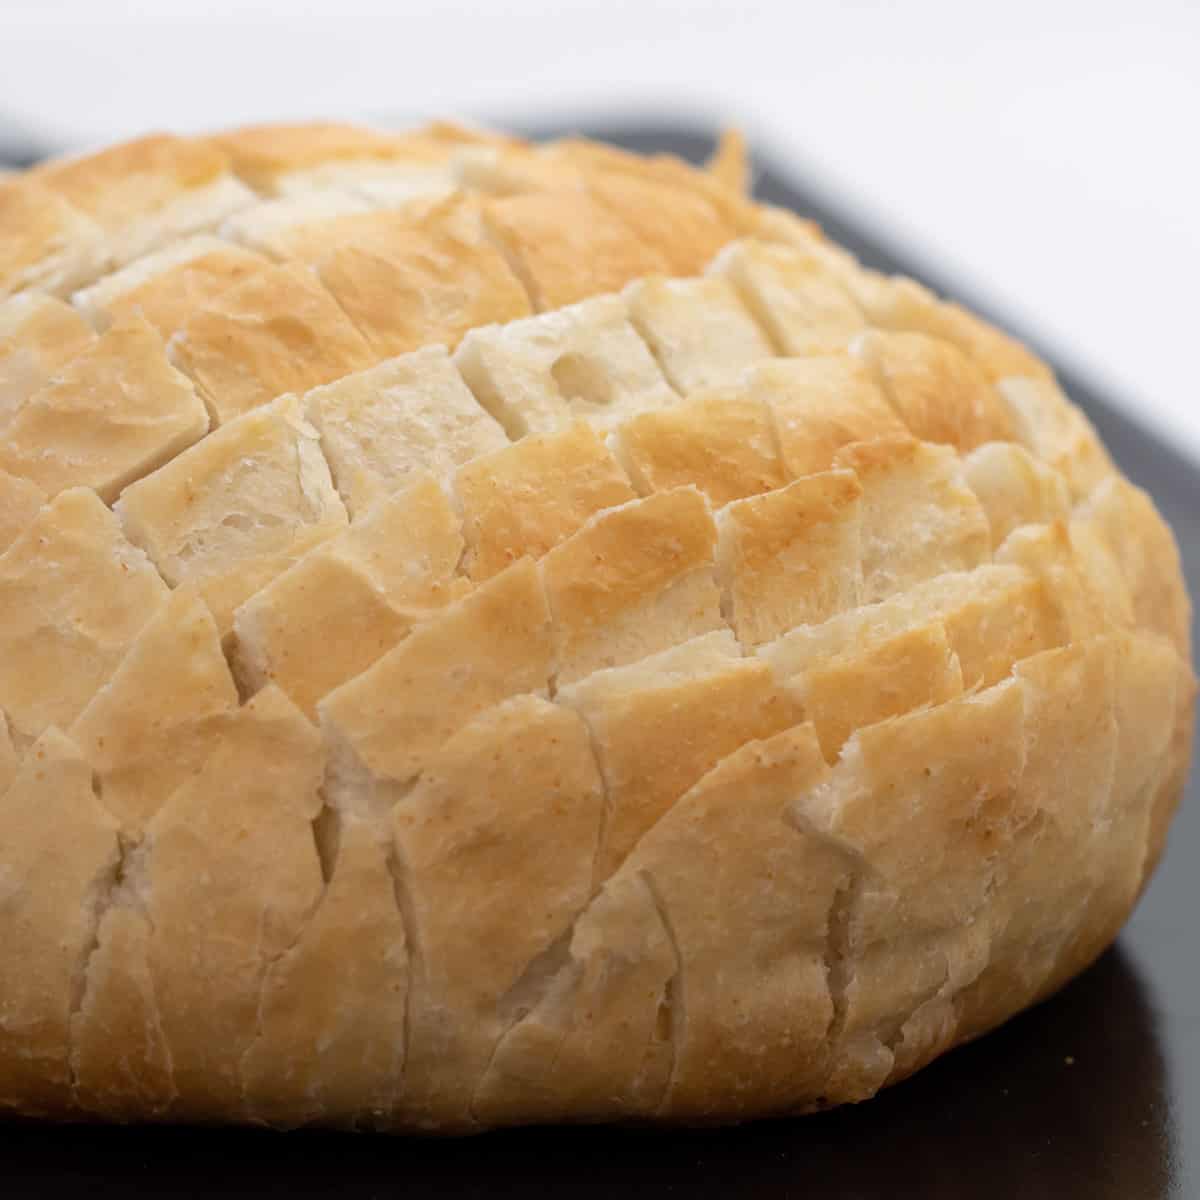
(1047, 153)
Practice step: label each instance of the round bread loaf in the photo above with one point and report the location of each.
(496, 633)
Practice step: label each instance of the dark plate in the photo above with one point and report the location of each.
(1095, 1094)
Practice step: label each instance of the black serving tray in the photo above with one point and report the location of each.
(1094, 1095)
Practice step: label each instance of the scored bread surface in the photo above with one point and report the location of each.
(498, 633)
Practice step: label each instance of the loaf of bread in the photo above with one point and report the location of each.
(498, 633)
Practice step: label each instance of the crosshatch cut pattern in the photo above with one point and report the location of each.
(495, 632)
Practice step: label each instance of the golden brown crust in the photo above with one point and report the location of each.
(398, 713)
(261, 154)
(277, 331)
(801, 305)
(44, 241)
(565, 246)
(528, 497)
(937, 391)
(167, 287)
(187, 883)
(658, 731)
(411, 280)
(146, 192)
(113, 414)
(634, 580)
(721, 442)
(818, 404)
(497, 633)
(161, 714)
(38, 335)
(529, 864)
(792, 556)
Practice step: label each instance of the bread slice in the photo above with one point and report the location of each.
(185, 882)
(819, 404)
(20, 501)
(408, 415)
(585, 361)
(1014, 488)
(161, 714)
(993, 617)
(528, 497)
(793, 296)
(650, 583)
(1056, 432)
(938, 392)
(529, 867)
(919, 519)
(720, 441)
(697, 329)
(273, 227)
(566, 246)
(792, 556)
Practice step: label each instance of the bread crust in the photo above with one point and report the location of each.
(495, 633)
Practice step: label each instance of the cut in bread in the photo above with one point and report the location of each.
(491, 645)
(45, 243)
(660, 724)
(819, 404)
(528, 497)
(919, 518)
(355, 596)
(276, 331)
(412, 278)
(697, 329)
(146, 193)
(114, 413)
(166, 287)
(634, 580)
(802, 307)
(497, 633)
(937, 391)
(237, 509)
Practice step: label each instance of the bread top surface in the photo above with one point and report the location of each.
(512, 487)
